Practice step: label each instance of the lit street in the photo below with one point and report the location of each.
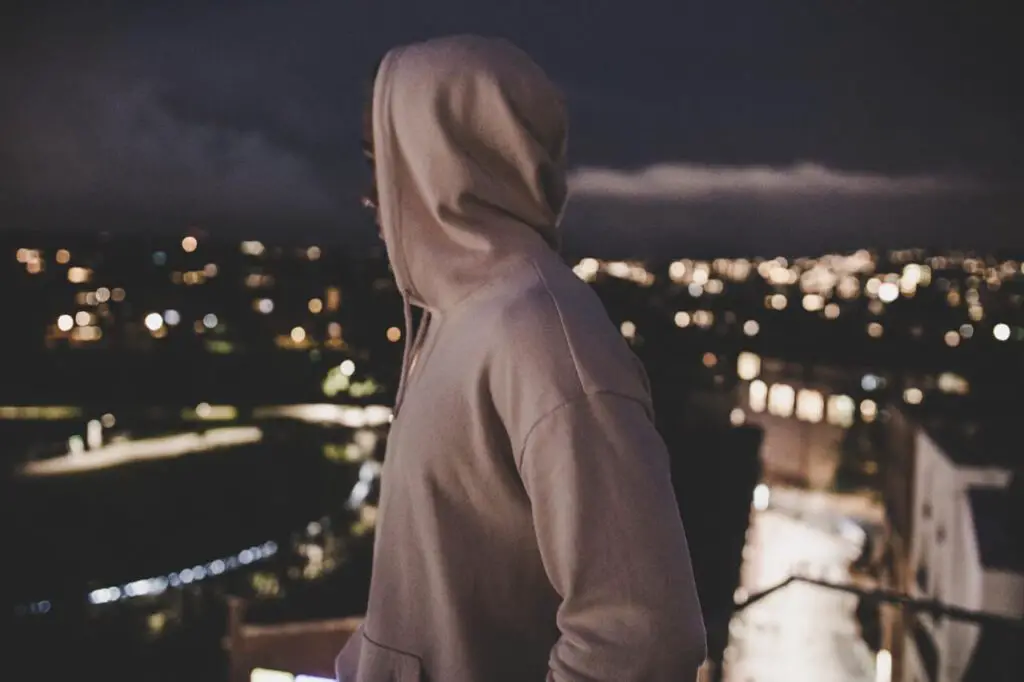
(802, 633)
(130, 451)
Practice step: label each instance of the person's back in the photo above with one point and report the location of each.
(527, 526)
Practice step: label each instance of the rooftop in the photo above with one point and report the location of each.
(992, 440)
(997, 513)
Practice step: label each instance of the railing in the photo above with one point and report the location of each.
(935, 608)
(1003, 655)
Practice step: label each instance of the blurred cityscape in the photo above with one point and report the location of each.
(192, 432)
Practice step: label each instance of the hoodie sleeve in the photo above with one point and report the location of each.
(612, 543)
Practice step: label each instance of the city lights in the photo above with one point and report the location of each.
(813, 302)
(78, 275)
(333, 298)
(748, 366)
(810, 406)
(252, 248)
(587, 269)
(822, 354)
(781, 400)
(861, 280)
(757, 396)
(148, 587)
(264, 675)
(888, 292)
(86, 334)
(762, 497)
(154, 321)
(703, 318)
(883, 666)
(841, 410)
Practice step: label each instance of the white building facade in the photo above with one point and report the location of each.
(949, 564)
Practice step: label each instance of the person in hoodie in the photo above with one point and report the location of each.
(527, 527)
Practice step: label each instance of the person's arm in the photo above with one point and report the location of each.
(612, 543)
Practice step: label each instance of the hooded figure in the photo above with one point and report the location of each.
(527, 528)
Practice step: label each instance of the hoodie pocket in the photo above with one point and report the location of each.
(379, 663)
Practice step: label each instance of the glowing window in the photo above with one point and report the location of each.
(781, 399)
(748, 366)
(758, 396)
(841, 410)
(810, 406)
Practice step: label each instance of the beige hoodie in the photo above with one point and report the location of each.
(527, 527)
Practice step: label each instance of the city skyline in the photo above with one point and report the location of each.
(224, 407)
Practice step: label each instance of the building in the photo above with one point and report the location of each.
(805, 412)
(966, 550)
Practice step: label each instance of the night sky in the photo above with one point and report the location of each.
(735, 125)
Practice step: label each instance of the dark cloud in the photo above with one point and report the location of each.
(686, 182)
(154, 117)
(249, 111)
(118, 141)
(672, 209)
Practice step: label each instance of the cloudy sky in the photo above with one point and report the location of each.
(738, 125)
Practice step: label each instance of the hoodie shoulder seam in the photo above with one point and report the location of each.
(582, 396)
(561, 326)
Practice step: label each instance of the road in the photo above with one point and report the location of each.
(129, 451)
(802, 633)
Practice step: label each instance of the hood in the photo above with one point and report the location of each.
(470, 139)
